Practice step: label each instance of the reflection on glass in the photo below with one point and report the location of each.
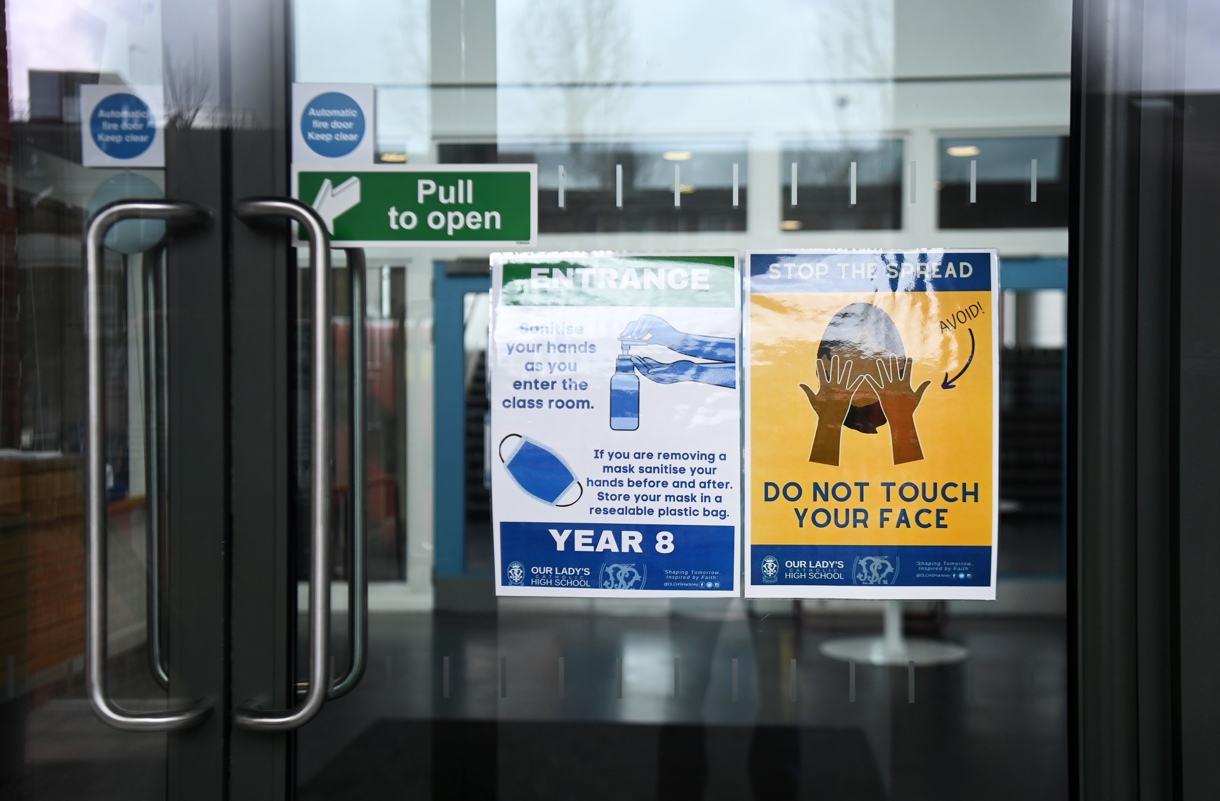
(1032, 392)
(1018, 182)
(842, 186)
(51, 743)
(385, 423)
(385, 412)
(603, 187)
(479, 551)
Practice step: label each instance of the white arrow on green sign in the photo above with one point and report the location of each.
(389, 206)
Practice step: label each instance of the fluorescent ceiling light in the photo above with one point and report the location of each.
(676, 155)
(963, 151)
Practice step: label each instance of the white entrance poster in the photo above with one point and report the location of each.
(615, 424)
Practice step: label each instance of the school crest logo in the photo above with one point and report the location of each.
(875, 571)
(516, 574)
(770, 569)
(622, 577)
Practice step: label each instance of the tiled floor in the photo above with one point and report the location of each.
(992, 727)
(609, 703)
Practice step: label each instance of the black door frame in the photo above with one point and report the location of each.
(231, 388)
(1141, 351)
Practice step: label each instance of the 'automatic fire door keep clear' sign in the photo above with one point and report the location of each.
(615, 424)
(871, 424)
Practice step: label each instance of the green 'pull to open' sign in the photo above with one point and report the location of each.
(389, 206)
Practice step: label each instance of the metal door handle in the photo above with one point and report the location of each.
(249, 716)
(95, 470)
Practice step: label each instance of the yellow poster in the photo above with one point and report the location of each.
(871, 424)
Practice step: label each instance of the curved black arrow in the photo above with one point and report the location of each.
(948, 383)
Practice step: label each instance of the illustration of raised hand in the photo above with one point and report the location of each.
(899, 402)
(652, 330)
(831, 402)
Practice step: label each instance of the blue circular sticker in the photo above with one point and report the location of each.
(122, 126)
(332, 124)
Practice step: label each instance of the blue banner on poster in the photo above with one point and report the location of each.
(616, 556)
(871, 271)
(871, 565)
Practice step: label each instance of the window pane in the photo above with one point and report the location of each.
(642, 187)
(842, 186)
(1019, 182)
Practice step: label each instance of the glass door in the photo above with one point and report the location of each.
(696, 127)
(286, 459)
(151, 350)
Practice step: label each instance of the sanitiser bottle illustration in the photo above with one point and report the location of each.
(624, 395)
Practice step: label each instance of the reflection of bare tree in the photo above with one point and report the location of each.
(186, 87)
(580, 52)
(852, 67)
(405, 45)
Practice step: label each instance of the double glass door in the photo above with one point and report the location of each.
(245, 520)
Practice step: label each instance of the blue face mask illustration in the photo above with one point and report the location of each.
(539, 471)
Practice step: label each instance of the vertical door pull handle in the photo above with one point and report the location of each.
(95, 470)
(249, 716)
